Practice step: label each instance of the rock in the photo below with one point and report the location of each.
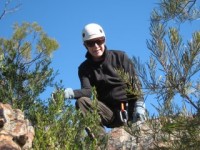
(16, 133)
(127, 138)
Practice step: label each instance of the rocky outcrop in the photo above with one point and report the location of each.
(16, 133)
(127, 139)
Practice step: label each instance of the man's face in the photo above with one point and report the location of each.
(96, 47)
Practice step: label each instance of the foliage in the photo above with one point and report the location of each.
(25, 71)
(172, 74)
(61, 126)
(132, 82)
(58, 126)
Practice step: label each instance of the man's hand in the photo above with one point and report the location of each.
(140, 112)
(69, 93)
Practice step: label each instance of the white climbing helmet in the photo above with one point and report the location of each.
(91, 31)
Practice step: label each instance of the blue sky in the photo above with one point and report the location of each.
(126, 24)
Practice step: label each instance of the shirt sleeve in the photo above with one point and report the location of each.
(86, 88)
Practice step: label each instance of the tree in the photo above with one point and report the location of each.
(25, 70)
(172, 72)
(8, 8)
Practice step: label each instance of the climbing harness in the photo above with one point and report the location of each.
(124, 113)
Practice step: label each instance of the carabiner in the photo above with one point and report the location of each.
(123, 114)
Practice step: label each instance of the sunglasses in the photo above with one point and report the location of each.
(92, 43)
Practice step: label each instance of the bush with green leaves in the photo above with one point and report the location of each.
(24, 65)
(172, 75)
(61, 126)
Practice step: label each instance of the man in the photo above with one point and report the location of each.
(101, 70)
